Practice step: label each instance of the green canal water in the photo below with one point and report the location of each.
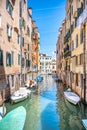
(49, 110)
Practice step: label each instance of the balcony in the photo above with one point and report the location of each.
(67, 51)
(66, 38)
(67, 54)
(68, 35)
(82, 17)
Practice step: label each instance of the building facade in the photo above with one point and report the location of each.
(35, 47)
(73, 39)
(45, 64)
(53, 66)
(15, 45)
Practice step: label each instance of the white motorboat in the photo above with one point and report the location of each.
(20, 95)
(72, 97)
(2, 111)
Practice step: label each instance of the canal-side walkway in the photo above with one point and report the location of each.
(49, 110)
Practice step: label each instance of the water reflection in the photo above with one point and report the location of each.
(70, 115)
(32, 107)
(49, 117)
(49, 110)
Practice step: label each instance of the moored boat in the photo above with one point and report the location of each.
(39, 78)
(72, 97)
(2, 111)
(14, 120)
(84, 122)
(20, 95)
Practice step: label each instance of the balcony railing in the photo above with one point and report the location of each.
(67, 54)
(82, 17)
(68, 35)
(66, 49)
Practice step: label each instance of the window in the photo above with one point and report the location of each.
(76, 79)
(81, 82)
(72, 77)
(23, 62)
(9, 7)
(7, 79)
(76, 41)
(12, 58)
(81, 36)
(12, 80)
(1, 57)
(28, 56)
(8, 59)
(22, 41)
(27, 63)
(81, 59)
(23, 24)
(9, 31)
(76, 60)
(20, 9)
(28, 31)
(18, 39)
(28, 47)
(19, 59)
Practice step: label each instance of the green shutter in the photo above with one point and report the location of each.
(22, 41)
(8, 59)
(1, 57)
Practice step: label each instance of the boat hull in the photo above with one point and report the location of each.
(20, 95)
(14, 120)
(1, 112)
(72, 97)
(84, 122)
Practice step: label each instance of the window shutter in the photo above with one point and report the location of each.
(9, 59)
(22, 41)
(1, 57)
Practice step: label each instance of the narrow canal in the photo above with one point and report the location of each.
(49, 110)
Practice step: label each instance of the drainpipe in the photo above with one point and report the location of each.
(84, 61)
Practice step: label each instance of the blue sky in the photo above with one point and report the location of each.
(48, 15)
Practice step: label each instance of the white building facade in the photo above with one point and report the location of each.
(47, 64)
(53, 64)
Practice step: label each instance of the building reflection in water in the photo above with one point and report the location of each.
(70, 115)
(50, 110)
